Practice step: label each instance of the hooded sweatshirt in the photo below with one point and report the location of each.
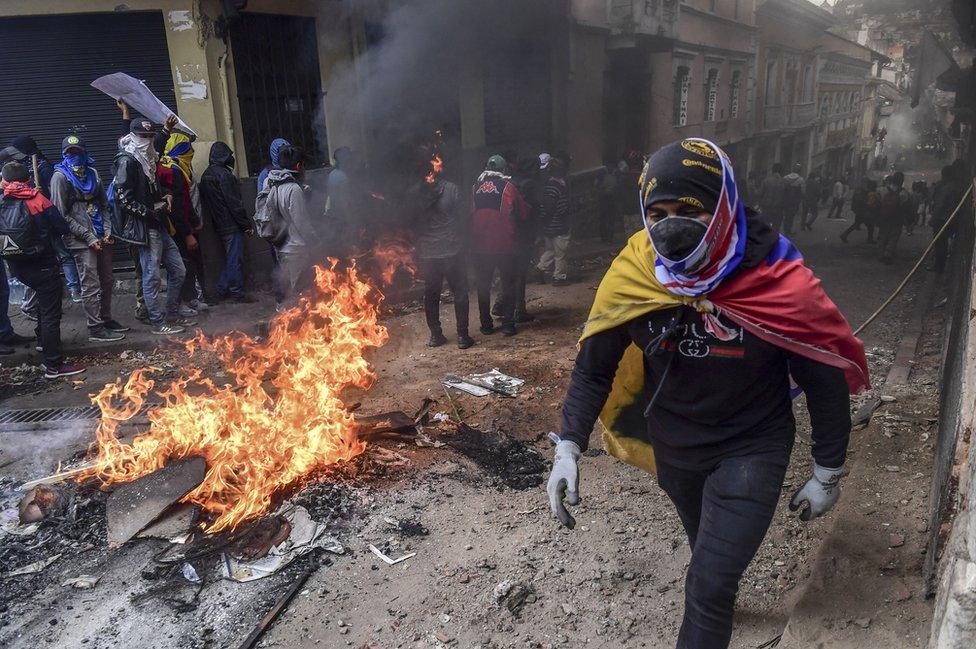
(220, 193)
(289, 201)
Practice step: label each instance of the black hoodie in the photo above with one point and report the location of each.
(220, 193)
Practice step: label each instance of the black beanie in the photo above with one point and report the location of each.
(15, 172)
(689, 171)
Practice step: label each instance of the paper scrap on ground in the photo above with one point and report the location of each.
(481, 385)
(306, 535)
(10, 523)
(375, 550)
(82, 581)
(31, 568)
(138, 95)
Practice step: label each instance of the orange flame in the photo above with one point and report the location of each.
(280, 419)
(436, 168)
(393, 253)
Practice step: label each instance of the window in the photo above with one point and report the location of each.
(824, 105)
(770, 83)
(734, 94)
(682, 84)
(711, 94)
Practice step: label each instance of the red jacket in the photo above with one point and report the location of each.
(498, 209)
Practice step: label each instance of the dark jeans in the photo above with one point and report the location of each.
(484, 272)
(434, 272)
(231, 280)
(193, 264)
(725, 512)
(836, 207)
(888, 235)
(6, 329)
(45, 279)
(811, 210)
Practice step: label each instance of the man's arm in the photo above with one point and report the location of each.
(829, 403)
(590, 383)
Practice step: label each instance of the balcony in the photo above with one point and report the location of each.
(841, 137)
(632, 18)
(789, 116)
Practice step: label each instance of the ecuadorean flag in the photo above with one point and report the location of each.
(779, 300)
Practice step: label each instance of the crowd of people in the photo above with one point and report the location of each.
(63, 219)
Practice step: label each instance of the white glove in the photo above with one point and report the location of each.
(820, 493)
(564, 481)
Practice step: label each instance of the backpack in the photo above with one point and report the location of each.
(18, 236)
(268, 222)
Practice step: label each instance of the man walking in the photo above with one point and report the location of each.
(499, 209)
(78, 193)
(687, 357)
(28, 221)
(794, 187)
(437, 210)
(837, 196)
(220, 195)
(894, 212)
(771, 197)
(142, 213)
(811, 201)
(554, 220)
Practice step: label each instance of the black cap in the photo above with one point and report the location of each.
(10, 154)
(73, 142)
(142, 127)
(15, 172)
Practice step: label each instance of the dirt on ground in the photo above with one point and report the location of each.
(492, 567)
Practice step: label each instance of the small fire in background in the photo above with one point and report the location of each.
(436, 168)
(393, 253)
(279, 420)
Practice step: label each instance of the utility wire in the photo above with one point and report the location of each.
(918, 264)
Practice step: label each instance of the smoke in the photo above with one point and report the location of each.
(903, 133)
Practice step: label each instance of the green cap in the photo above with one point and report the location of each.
(496, 163)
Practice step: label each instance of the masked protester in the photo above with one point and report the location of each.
(28, 224)
(554, 219)
(895, 210)
(175, 176)
(8, 337)
(687, 356)
(273, 151)
(220, 194)
(78, 193)
(142, 214)
(40, 172)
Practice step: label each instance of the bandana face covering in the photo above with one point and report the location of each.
(676, 237)
(696, 172)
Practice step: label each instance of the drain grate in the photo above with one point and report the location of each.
(39, 419)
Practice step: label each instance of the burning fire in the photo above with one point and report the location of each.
(436, 168)
(278, 421)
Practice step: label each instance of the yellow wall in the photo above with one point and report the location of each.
(205, 94)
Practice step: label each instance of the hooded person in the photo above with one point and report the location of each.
(687, 358)
(554, 219)
(175, 175)
(28, 225)
(794, 185)
(895, 210)
(274, 150)
(78, 193)
(220, 194)
(142, 219)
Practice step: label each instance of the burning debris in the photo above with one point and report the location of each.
(280, 420)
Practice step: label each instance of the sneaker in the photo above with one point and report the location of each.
(64, 369)
(179, 321)
(5, 351)
(187, 311)
(29, 315)
(496, 310)
(113, 325)
(523, 317)
(76, 297)
(165, 329)
(465, 341)
(509, 331)
(436, 340)
(103, 335)
(279, 307)
(560, 282)
(142, 315)
(487, 330)
(17, 339)
(38, 348)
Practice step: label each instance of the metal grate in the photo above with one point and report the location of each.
(39, 419)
